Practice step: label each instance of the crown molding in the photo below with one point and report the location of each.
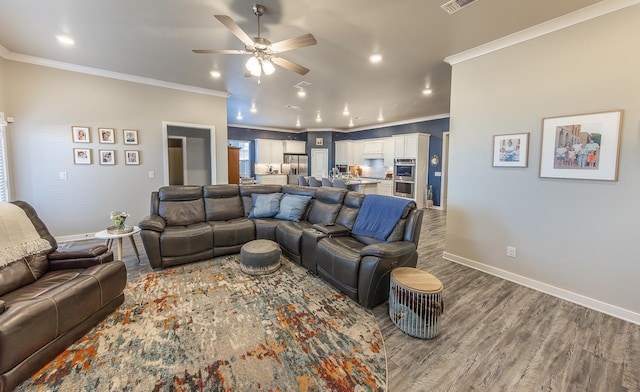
(6, 54)
(261, 128)
(396, 123)
(561, 22)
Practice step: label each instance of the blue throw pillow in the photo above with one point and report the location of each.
(292, 207)
(265, 205)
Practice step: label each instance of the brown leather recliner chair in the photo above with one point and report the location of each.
(49, 300)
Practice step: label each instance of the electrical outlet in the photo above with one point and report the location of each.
(62, 175)
(152, 174)
(511, 251)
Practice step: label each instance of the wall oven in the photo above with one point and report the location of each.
(404, 170)
(404, 188)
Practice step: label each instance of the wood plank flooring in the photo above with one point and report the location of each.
(496, 335)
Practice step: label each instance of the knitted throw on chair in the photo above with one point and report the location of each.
(18, 237)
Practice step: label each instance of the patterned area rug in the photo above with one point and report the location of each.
(207, 326)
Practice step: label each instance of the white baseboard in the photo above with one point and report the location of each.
(579, 299)
(76, 237)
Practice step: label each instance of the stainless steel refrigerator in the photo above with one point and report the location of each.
(295, 165)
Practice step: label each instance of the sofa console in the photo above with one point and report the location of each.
(320, 228)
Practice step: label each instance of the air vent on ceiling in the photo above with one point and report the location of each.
(302, 84)
(294, 107)
(454, 6)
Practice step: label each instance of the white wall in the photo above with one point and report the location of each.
(574, 238)
(46, 102)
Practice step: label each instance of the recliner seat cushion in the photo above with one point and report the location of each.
(185, 240)
(232, 232)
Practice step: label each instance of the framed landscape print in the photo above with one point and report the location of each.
(511, 150)
(81, 134)
(130, 136)
(132, 157)
(581, 146)
(107, 135)
(82, 156)
(107, 157)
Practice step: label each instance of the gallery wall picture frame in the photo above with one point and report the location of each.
(511, 150)
(132, 157)
(107, 157)
(581, 146)
(130, 136)
(81, 134)
(82, 156)
(107, 135)
(319, 141)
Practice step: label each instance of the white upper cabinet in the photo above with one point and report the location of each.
(269, 151)
(373, 149)
(295, 147)
(406, 146)
(344, 153)
(358, 153)
(389, 151)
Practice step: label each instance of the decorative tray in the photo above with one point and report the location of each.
(116, 230)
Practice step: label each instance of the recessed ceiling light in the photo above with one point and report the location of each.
(253, 107)
(375, 58)
(302, 93)
(215, 74)
(426, 91)
(351, 122)
(345, 112)
(239, 116)
(65, 40)
(298, 122)
(380, 118)
(318, 118)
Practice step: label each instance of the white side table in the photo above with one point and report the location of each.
(104, 235)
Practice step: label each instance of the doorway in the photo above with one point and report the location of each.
(177, 160)
(197, 149)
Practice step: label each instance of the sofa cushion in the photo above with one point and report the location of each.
(246, 192)
(265, 205)
(22, 272)
(222, 202)
(350, 208)
(232, 232)
(180, 240)
(292, 207)
(181, 205)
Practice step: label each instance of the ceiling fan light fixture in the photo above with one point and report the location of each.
(253, 66)
(267, 67)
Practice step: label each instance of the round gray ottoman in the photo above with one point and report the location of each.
(259, 257)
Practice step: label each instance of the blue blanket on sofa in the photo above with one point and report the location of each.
(379, 215)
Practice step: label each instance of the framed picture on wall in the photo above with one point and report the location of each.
(107, 157)
(82, 156)
(107, 135)
(511, 150)
(319, 141)
(130, 136)
(581, 146)
(81, 134)
(132, 157)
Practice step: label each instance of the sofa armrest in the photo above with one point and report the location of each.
(153, 222)
(331, 230)
(388, 249)
(80, 262)
(78, 254)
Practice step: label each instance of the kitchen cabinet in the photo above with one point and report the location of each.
(344, 153)
(295, 147)
(269, 151)
(389, 151)
(272, 179)
(406, 146)
(358, 150)
(385, 187)
(373, 149)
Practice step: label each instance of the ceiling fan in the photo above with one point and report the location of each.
(264, 53)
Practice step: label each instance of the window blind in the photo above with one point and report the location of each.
(4, 186)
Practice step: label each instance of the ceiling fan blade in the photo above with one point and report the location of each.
(294, 43)
(235, 29)
(289, 65)
(220, 51)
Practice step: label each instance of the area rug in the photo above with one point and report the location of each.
(207, 326)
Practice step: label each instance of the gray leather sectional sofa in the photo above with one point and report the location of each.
(314, 227)
(50, 299)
